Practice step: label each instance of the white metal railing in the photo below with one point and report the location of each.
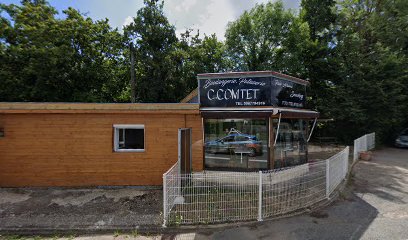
(337, 166)
(171, 189)
(363, 143)
(213, 197)
(370, 141)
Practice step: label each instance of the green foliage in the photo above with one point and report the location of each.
(369, 92)
(321, 67)
(353, 52)
(134, 233)
(319, 15)
(46, 59)
(155, 39)
(255, 39)
(194, 55)
(167, 67)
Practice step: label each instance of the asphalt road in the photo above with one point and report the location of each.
(375, 206)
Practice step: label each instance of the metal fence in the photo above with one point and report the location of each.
(171, 189)
(213, 197)
(364, 143)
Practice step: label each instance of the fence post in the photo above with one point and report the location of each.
(260, 197)
(164, 200)
(373, 139)
(346, 160)
(366, 142)
(327, 178)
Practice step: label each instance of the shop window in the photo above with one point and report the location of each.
(236, 144)
(129, 138)
(291, 144)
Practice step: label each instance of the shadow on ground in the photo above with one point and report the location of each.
(374, 206)
(384, 176)
(347, 218)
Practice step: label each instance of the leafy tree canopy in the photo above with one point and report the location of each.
(353, 52)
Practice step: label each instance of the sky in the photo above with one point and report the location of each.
(209, 16)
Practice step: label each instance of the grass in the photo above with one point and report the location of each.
(116, 234)
(134, 233)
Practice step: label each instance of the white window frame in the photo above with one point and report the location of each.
(116, 128)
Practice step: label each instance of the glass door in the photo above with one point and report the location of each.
(291, 145)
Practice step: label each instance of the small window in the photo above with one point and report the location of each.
(129, 138)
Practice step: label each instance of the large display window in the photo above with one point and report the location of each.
(236, 143)
(291, 145)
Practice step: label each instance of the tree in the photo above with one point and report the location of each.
(48, 59)
(268, 37)
(320, 15)
(194, 55)
(154, 39)
(370, 91)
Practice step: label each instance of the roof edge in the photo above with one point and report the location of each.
(97, 106)
(252, 74)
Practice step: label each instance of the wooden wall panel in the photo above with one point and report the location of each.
(76, 149)
(194, 122)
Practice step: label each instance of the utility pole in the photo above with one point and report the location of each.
(132, 74)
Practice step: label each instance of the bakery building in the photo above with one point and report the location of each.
(243, 121)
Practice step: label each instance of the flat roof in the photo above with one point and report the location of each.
(252, 74)
(52, 107)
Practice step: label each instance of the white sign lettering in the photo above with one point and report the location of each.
(296, 95)
(239, 94)
(284, 84)
(223, 82)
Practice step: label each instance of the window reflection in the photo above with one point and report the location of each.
(291, 144)
(236, 143)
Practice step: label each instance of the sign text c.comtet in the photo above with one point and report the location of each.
(237, 94)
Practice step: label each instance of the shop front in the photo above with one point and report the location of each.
(254, 120)
(233, 122)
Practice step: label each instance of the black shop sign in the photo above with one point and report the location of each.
(255, 91)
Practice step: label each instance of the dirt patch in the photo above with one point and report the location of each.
(319, 152)
(80, 208)
(88, 196)
(13, 197)
(321, 156)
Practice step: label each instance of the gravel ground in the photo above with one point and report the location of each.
(54, 209)
(319, 152)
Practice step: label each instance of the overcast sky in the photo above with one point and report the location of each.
(210, 16)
